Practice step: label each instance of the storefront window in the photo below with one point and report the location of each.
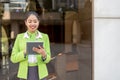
(68, 24)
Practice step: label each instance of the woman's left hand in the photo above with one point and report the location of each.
(40, 50)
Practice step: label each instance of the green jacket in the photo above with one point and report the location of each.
(18, 56)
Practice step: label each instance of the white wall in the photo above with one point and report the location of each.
(106, 40)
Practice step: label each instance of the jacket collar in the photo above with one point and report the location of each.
(39, 35)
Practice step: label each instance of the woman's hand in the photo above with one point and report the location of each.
(25, 52)
(40, 50)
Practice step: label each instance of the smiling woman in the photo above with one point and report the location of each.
(32, 21)
(32, 66)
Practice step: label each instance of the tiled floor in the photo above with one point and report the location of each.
(83, 50)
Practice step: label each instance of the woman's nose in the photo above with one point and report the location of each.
(32, 23)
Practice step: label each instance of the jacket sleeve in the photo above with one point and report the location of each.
(17, 55)
(47, 48)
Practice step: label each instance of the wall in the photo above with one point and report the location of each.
(106, 39)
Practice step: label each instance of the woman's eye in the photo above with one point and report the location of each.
(29, 21)
(35, 21)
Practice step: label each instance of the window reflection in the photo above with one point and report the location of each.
(18, 5)
(69, 26)
(4, 53)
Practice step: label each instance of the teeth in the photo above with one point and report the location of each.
(33, 27)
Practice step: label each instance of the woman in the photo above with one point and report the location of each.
(31, 67)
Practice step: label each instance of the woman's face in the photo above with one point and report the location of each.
(32, 23)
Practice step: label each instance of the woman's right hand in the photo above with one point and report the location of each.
(25, 52)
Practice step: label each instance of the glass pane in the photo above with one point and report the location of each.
(68, 24)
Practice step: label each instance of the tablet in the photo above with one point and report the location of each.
(30, 45)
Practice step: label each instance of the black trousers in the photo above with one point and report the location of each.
(33, 73)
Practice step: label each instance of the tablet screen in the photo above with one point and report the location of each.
(30, 45)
